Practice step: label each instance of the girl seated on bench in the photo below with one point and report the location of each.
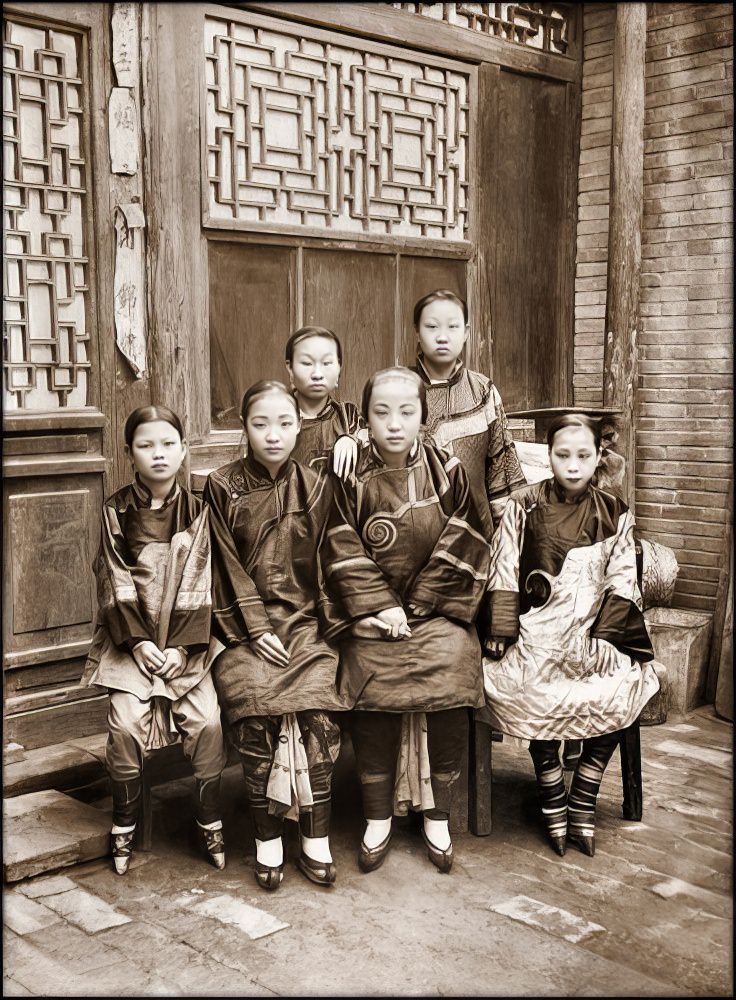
(567, 629)
(152, 647)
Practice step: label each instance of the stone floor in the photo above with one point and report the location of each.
(650, 915)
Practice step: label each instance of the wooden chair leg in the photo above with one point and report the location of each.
(480, 774)
(631, 772)
(145, 819)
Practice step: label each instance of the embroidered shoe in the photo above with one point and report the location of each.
(214, 845)
(121, 845)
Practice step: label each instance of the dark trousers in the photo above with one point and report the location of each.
(376, 740)
(255, 740)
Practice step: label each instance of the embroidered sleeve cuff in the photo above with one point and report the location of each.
(504, 614)
(621, 623)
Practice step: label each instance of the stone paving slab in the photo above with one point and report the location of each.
(45, 886)
(552, 919)
(86, 911)
(48, 830)
(24, 916)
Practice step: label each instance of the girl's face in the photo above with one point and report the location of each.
(574, 459)
(272, 427)
(314, 368)
(394, 418)
(442, 333)
(157, 451)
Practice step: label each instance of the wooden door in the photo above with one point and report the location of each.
(336, 191)
(53, 395)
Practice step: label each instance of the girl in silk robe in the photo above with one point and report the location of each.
(569, 649)
(276, 679)
(152, 647)
(405, 565)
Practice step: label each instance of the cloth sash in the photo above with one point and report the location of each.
(413, 788)
(289, 790)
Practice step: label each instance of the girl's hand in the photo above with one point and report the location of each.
(496, 647)
(175, 664)
(344, 456)
(269, 647)
(419, 611)
(370, 628)
(395, 620)
(149, 657)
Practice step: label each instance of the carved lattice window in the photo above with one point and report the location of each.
(304, 132)
(542, 26)
(45, 339)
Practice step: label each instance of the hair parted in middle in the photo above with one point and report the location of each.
(575, 420)
(397, 373)
(438, 295)
(311, 331)
(263, 388)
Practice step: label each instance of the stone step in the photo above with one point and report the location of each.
(48, 830)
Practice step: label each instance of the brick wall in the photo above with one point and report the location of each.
(684, 399)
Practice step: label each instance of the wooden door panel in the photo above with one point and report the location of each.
(528, 178)
(417, 277)
(353, 294)
(251, 316)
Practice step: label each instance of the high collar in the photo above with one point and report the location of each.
(325, 412)
(260, 472)
(453, 378)
(145, 496)
(562, 496)
(412, 457)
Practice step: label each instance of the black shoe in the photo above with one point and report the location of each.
(319, 872)
(370, 858)
(269, 878)
(121, 845)
(213, 844)
(583, 841)
(440, 859)
(559, 845)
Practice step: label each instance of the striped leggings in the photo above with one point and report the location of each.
(578, 807)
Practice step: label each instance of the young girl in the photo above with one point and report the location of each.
(152, 646)
(276, 680)
(567, 627)
(405, 561)
(466, 416)
(314, 361)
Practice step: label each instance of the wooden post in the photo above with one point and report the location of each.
(624, 228)
(171, 43)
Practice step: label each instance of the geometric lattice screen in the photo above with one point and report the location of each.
(544, 26)
(303, 132)
(45, 339)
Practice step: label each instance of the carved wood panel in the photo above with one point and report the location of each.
(51, 586)
(45, 337)
(338, 137)
(544, 26)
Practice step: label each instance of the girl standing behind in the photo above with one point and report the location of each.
(405, 560)
(151, 647)
(314, 361)
(276, 680)
(465, 412)
(567, 627)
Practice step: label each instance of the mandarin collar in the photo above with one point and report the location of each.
(323, 413)
(454, 376)
(145, 496)
(412, 458)
(562, 497)
(258, 471)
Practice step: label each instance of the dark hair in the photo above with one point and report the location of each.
(397, 371)
(575, 420)
(146, 415)
(262, 388)
(311, 331)
(438, 295)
